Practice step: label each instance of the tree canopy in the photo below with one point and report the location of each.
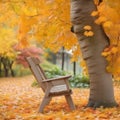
(48, 22)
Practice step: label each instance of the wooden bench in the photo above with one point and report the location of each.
(51, 87)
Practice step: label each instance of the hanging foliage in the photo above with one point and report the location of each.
(48, 22)
(109, 18)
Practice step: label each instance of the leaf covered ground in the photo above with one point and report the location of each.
(20, 101)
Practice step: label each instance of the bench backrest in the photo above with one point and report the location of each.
(34, 64)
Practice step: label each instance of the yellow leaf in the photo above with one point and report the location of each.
(100, 20)
(88, 33)
(104, 54)
(94, 13)
(87, 27)
(96, 2)
(107, 24)
(114, 50)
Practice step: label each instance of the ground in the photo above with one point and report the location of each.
(20, 101)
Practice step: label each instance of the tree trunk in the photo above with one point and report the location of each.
(10, 68)
(101, 86)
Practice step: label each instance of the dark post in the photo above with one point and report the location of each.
(74, 68)
(63, 55)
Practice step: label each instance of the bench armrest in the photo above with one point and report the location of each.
(58, 78)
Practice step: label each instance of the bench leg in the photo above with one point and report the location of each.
(45, 101)
(70, 102)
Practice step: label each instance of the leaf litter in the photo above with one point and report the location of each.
(20, 101)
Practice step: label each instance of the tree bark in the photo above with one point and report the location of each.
(101, 86)
(7, 66)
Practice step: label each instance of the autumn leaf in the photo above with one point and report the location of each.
(88, 33)
(87, 27)
(94, 13)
